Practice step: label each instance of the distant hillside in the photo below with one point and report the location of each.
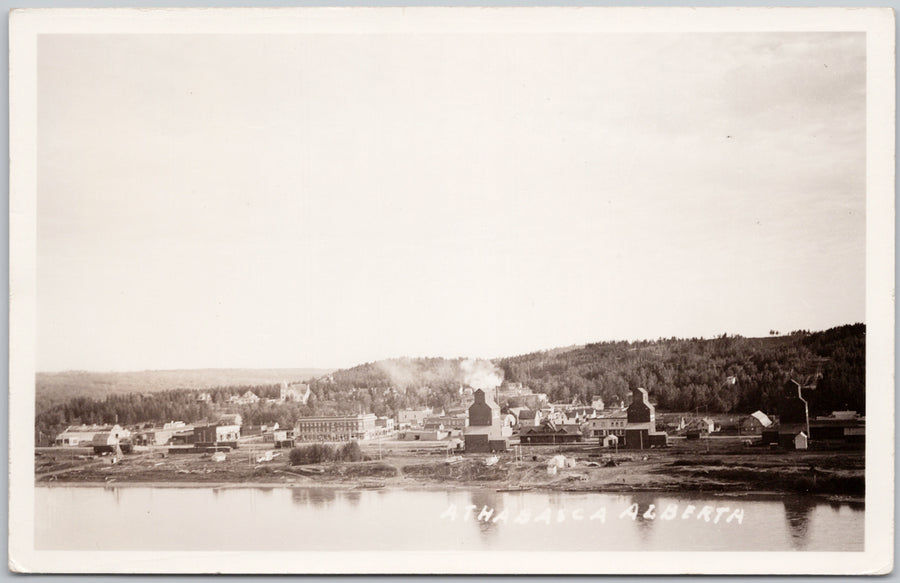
(725, 374)
(54, 386)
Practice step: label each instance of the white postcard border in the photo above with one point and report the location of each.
(26, 25)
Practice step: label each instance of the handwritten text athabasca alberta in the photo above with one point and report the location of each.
(713, 514)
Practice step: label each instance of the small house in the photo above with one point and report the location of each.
(283, 438)
(529, 418)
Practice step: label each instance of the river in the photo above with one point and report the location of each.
(310, 519)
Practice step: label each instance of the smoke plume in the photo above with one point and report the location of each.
(481, 374)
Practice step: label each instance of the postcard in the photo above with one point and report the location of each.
(452, 290)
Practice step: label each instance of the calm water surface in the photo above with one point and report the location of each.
(308, 519)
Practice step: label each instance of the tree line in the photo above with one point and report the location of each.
(727, 374)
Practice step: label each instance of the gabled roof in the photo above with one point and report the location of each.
(551, 428)
(614, 414)
(762, 418)
(89, 428)
(102, 438)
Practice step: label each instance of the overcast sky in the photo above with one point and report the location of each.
(327, 200)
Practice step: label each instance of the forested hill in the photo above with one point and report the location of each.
(725, 374)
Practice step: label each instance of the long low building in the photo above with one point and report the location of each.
(336, 428)
(446, 423)
(83, 435)
(551, 433)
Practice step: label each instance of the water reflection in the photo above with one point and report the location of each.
(489, 503)
(854, 505)
(315, 497)
(796, 512)
(115, 492)
(353, 497)
(643, 521)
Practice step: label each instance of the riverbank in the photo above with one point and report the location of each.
(686, 467)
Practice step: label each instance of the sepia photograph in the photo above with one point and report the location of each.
(452, 290)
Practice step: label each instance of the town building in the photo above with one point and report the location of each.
(554, 412)
(283, 438)
(580, 414)
(230, 419)
(610, 423)
(640, 428)
(160, 435)
(551, 433)
(793, 414)
(529, 400)
(508, 421)
(384, 425)
(336, 428)
(248, 398)
(754, 424)
(423, 435)
(843, 425)
(83, 435)
(184, 436)
(485, 431)
(413, 417)
(529, 417)
(446, 423)
(217, 435)
(259, 430)
(105, 443)
(294, 393)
